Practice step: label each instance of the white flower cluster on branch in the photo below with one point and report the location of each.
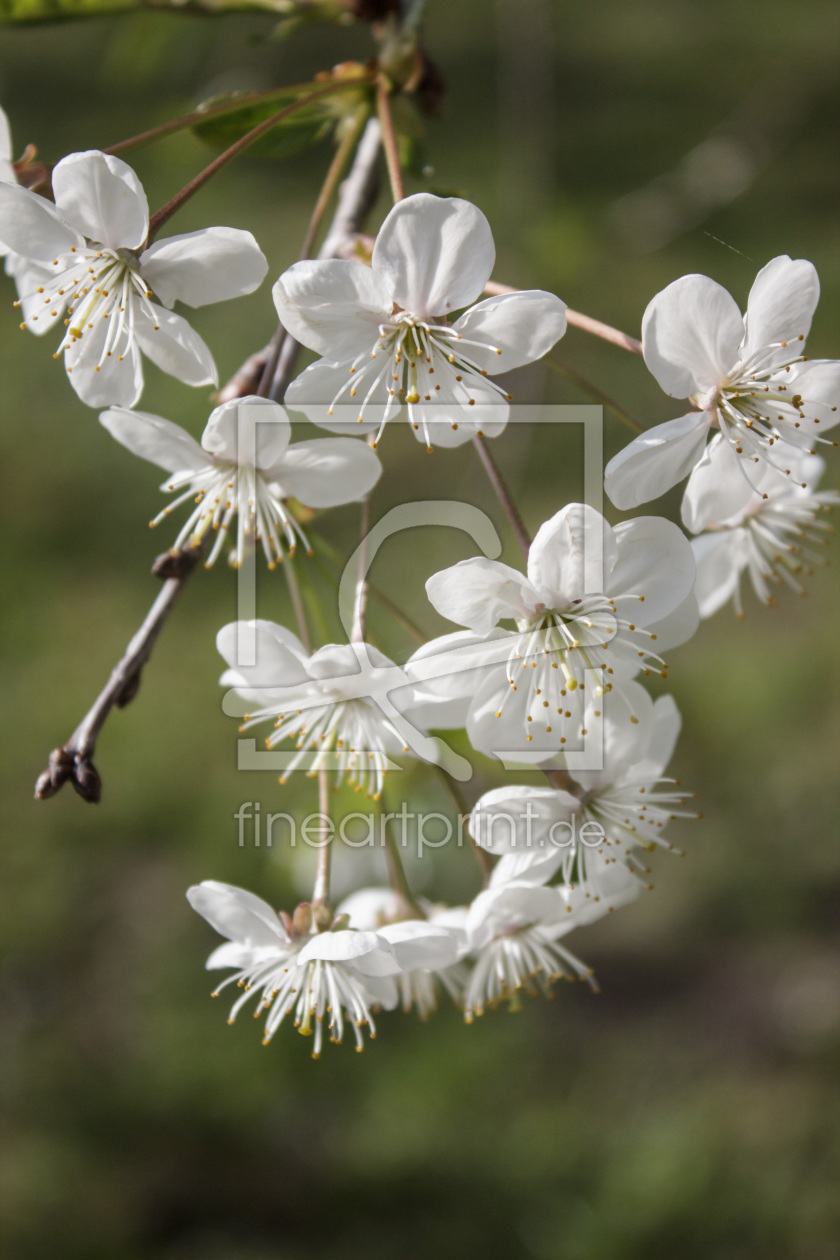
(546, 671)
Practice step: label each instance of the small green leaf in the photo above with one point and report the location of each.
(305, 126)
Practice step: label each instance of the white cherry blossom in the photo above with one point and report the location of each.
(613, 815)
(347, 706)
(385, 334)
(769, 533)
(246, 467)
(320, 978)
(515, 928)
(85, 260)
(746, 377)
(597, 605)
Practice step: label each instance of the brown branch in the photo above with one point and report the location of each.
(73, 761)
(577, 320)
(504, 495)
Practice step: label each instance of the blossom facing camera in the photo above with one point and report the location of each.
(771, 533)
(246, 467)
(86, 259)
(385, 334)
(597, 605)
(746, 377)
(347, 706)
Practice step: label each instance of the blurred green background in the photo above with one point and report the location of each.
(691, 1110)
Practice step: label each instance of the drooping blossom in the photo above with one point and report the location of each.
(347, 706)
(246, 467)
(515, 931)
(86, 261)
(383, 910)
(330, 977)
(769, 532)
(746, 377)
(597, 605)
(609, 817)
(385, 331)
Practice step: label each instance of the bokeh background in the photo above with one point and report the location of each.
(692, 1108)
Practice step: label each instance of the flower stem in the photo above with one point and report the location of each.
(321, 891)
(577, 320)
(360, 604)
(594, 392)
(331, 181)
(396, 871)
(198, 116)
(190, 189)
(504, 495)
(389, 139)
(481, 856)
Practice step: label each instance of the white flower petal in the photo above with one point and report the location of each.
(102, 197)
(456, 421)
(781, 305)
(478, 592)
(691, 332)
(818, 381)
(517, 819)
(280, 658)
(175, 348)
(29, 277)
(155, 439)
(342, 946)
(678, 626)
(332, 306)
(210, 265)
(103, 381)
(717, 490)
(237, 914)
(656, 460)
(512, 906)
(418, 944)
(573, 553)
(313, 391)
(667, 724)
(250, 430)
(5, 137)
(31, 226)
(434, 254)
(655, 564)
(326, 472)
(721, 558)
(523, 326)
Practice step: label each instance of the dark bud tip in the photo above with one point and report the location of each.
(52, 780)
(87, 782)
(176, 564)
(129, 691)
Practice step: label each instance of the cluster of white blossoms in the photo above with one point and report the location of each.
(547, 669)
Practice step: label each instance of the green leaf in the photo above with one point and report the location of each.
(24, 11)
(305, 126)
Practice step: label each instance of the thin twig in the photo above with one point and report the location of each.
(357, 634)
(209, 112)
(504, 495)
(594, 392)
(331, 179)
(74, 760)
(166, 212)
(389, 140)
(396, 871)
(481, 856)
(585, 322)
